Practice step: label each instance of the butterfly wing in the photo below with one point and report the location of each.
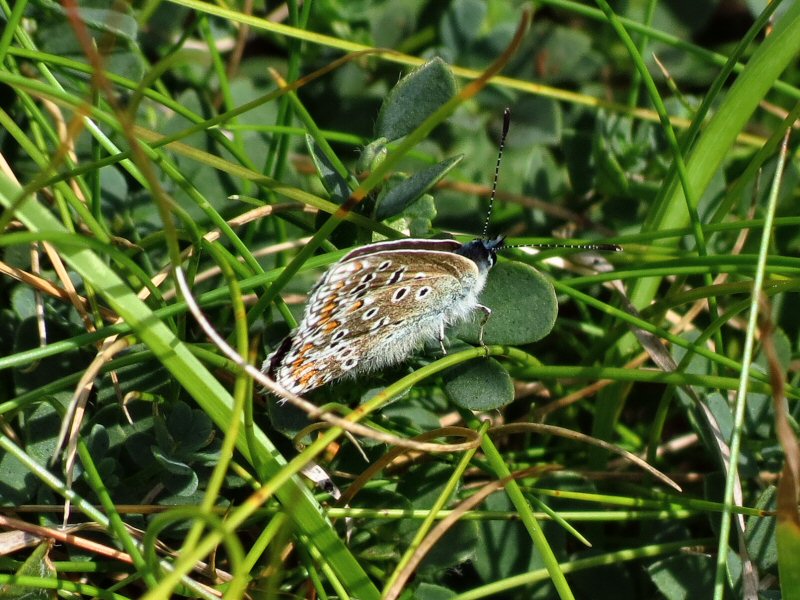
(374, 307)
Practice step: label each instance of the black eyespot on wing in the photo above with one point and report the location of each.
(400, 294)
(361, 287)
(397, 276)
(380, 323)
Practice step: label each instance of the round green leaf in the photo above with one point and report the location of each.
(481, 384)
(675, 575)
(191, 429)
(456, 546)
(523, 305)
(504, 547)
(538, 121)
(178, 477)
(415, 97)
(287, 418)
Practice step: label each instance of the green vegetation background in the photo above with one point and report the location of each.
(135, 138)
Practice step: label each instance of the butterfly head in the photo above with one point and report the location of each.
(482, 252)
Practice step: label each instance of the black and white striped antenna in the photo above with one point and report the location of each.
(547, 246)
(506, 123)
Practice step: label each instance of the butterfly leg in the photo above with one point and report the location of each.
(441, 337)
(487, 312)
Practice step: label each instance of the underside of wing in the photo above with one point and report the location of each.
(372, 311)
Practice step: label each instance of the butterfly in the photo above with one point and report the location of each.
(378, 304)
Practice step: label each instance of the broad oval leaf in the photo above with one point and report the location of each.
(538, 121)
(523, 305)
(674, 575)
(287, 418)
(107, 20)
(462, 24)
(761, 539)
(415, 97)
(481, 384)
(456, 546)
(504, 547)
(190, 428)
(179, 478)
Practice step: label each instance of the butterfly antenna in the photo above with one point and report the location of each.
(555, 246)
(506, 123)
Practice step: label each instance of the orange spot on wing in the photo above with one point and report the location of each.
(298, 363)
(330, 326)
(304, 379)
(356, 305)
(304, 370)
